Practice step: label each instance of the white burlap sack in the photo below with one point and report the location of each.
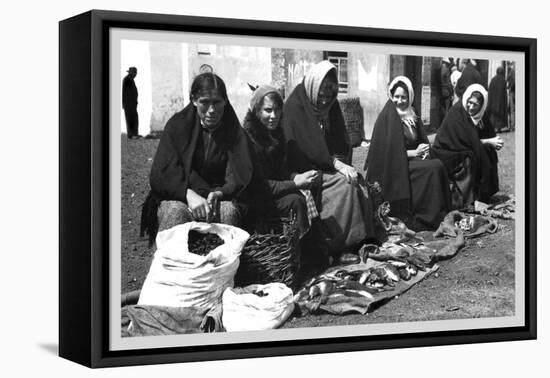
(180, 278)
(245, 311)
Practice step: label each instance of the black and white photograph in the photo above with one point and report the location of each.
(287, 189)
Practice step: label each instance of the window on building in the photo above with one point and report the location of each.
(340, 60)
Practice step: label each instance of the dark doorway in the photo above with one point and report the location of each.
(413, 70)
(483, 68)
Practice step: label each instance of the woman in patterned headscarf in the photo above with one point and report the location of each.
(467, 145)
(316, 139)
(415, 185)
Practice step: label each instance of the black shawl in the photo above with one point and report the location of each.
(267, 149)
(308, 146)
(387, 161)
(171, 168)
(458, 138)
(470, 75)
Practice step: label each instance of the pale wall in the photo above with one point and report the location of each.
(167, 81)
(368, 80)
(237, 66)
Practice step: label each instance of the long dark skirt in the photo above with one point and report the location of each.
(468, 188)
(346, 217)
(498, 121)
(489, 182)
(431, 197)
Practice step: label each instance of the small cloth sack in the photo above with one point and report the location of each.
(256, 307)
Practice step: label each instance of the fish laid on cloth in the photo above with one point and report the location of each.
(471, 225)
(355, 288)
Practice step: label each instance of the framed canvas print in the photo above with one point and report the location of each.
(235, 188)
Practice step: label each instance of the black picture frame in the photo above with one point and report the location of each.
(84, 187)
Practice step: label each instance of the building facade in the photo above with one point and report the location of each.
(362, 75)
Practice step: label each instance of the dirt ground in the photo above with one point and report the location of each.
(478, 282)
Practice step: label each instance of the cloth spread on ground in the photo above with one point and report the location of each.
(505, 210)
(145, 320)
(392, 268)
(471, 225)
(384, 272)
(347, 295)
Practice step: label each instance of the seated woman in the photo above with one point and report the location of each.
(316, 139)
(416, 186)
(467, 145)
(202, 164)
(268, 154)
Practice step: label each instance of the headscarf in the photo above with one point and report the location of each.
(458, 138)
(407, 114)
(259, 94)
(308, 145)
(387, 162)
(258, 133)
(312, 84)
(476, 118)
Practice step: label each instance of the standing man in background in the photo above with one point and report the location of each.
(129, 103)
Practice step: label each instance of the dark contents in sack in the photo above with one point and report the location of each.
(201, 244)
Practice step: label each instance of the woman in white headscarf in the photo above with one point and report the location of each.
(416, 186)
(467, 145)
(316, 139)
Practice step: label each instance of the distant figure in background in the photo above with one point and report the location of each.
(498, 101)
(470, 75)
(446, 88)
(455, 75)
(511, 85)
(129, 103)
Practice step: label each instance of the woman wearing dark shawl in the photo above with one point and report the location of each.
(467, 146)
(498, 101)
(416, 186)
(202, 164)
(316, 139)
(470, 75)
(284, 194)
